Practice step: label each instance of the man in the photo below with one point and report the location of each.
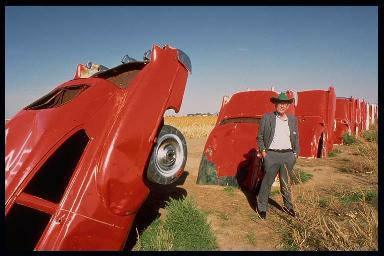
(278, 140)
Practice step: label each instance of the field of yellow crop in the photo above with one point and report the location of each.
(192, 126)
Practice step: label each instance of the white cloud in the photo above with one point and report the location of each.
(242, 49)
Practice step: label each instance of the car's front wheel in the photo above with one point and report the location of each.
(169, 156)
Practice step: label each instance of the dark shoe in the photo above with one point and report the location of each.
(263, 215)
(289, 211)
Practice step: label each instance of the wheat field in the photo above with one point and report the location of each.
(192, 126)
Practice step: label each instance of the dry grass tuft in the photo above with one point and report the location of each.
(337, 217)
(192, 126)
(365, 157)
(327, 224)
(366, 160)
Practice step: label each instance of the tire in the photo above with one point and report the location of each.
(168, 157)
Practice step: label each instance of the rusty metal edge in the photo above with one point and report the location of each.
(208, 175)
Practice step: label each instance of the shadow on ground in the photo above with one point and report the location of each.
(149, 211)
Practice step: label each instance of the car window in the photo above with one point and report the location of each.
(57, 97)
(122, 75)
(241, 120)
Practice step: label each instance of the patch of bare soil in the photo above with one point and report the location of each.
(231, 212)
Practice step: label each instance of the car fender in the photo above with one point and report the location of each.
(120, 176)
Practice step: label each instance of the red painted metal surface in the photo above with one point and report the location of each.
(366, 116)
(85, 71)
(316, 116)
(36, 203)
(237, 139)
(231, 148)
(343, 117)
(358, 117)
(370, 114)
(373, 113)
(363, 115)
(352, 112)
(107, 186)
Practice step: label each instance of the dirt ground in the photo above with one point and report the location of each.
(231, 212)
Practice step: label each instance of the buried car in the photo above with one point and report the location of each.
(344, 116)
(231, 156)
(78, 161)
(315, 112)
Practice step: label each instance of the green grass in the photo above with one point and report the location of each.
(254, 217)
(323, 221)
(275, 192)
(344, 169)
(229, 190)
(367, 196)
(288, 243)
(224, 216)
(299, 176)
(370, 195)
(370, 135)
(348, 139)
(334, 153)
(323, 202)
(184, 228)
(251, 238)
(155, 238)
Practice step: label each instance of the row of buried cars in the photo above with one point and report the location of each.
(81, 160)
(231, 155)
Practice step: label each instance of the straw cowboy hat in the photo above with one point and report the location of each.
(282, 98)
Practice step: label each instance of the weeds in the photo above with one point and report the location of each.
(224, 216)
(254, 217)
(299, 176)
(365, 160)
(189, 226)
(274, 193)
(288, 243)
(348, 139)
(155, 238)
(318, 228)
(370, 136)
(323, 202)
(334, 152)
(251, 238)
(229, 190)
(359, 196)
(184, 228)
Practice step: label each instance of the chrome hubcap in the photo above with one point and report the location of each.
(169, 155)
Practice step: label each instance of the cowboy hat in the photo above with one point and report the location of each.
(281, 98)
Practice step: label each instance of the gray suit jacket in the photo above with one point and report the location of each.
(267, 130)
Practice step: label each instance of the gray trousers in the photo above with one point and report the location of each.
(276, 162)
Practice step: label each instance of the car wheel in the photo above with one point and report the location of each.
(169, 156)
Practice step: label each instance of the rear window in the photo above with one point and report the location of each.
(57, 97)
(122, 75)
(255, 120)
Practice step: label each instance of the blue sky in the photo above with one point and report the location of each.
(231, 48)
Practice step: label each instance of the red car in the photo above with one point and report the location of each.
(78, 161)
(230, 155)
(344, 117)
(315, 112)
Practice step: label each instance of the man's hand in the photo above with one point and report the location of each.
(264, 154)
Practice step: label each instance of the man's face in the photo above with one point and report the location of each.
(282, 107)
